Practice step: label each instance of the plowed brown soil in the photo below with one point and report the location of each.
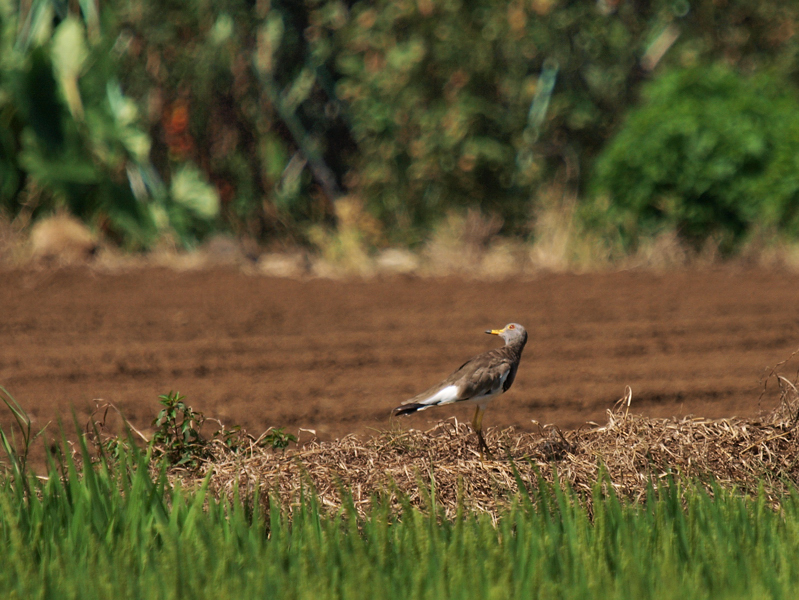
(336, 357)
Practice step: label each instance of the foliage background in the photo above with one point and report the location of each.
(715, 156)
(151, 118)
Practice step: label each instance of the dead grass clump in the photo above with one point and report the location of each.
(467, 244)
(634, 451)
(13, 249)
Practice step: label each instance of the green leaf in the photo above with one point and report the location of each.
(191, 190)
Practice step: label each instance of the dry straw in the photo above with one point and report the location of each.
(634, 450)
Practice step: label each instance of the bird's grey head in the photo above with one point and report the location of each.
(512, 333)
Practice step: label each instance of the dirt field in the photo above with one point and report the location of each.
(336, 357)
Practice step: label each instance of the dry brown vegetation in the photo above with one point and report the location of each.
(465, 244)
(634, 450)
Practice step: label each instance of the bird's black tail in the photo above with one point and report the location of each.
(407, 409)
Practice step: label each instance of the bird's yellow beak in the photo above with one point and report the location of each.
(494, 331)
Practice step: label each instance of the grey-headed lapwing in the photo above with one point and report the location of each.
(476, 381)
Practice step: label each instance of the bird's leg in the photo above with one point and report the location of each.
(477, 425)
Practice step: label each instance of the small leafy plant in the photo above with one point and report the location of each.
(277, 438)
(177, 437)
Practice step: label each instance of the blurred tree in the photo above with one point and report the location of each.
(273, 108)
(458, 104)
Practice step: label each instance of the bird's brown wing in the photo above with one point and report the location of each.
(485, 379)
(477, 377)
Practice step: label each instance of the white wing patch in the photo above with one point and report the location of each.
(450, 394)
(444, 396)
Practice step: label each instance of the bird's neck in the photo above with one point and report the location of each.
(516, 346)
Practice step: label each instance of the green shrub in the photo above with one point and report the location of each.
(709, 154)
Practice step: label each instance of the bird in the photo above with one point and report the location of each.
(477, 381)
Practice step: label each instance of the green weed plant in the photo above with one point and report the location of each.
(177, 436)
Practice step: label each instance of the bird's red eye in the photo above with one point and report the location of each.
(511, 326)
